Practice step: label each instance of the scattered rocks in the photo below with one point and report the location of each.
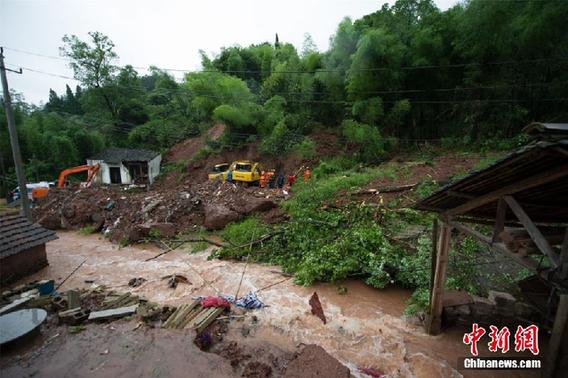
(133, 216)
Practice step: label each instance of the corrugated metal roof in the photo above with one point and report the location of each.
(547, 131)
(18, 234)
(119, 155)
(546, 203)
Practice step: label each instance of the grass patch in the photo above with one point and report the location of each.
(309, 196)
(199, 246)
(87, 230)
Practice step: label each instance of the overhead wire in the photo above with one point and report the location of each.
(324, 70)
(344, 102)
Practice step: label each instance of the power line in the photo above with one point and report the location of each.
(402, 91)
(323, 70)
(37, 54)
(201, 94)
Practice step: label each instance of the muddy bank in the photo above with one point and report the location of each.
(365, 326)
(326, 142)
(114, 350)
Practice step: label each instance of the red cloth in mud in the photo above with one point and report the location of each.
(215, 302)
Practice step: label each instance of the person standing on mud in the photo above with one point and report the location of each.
(291, 180)
(230, 176)
(280, 181)
(272, 182)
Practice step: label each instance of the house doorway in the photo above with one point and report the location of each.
(115, 175)
(138, 172)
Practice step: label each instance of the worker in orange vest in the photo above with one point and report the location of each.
(307, 174)
(263, 179)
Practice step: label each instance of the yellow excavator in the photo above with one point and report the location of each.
(245, 171)
(240, 171)
(219, 171)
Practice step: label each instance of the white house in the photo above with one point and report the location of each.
(126, 166)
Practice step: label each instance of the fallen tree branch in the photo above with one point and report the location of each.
(385, 189)
(169, 249)
(202, 239)
(273, 284)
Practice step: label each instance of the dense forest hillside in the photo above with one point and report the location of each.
(476, 73)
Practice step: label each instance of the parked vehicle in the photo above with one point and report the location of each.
(34, 190)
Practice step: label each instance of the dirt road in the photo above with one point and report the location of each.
(365, 327)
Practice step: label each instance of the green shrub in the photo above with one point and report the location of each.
(240, 233)
(426, 188)
(306, 148)
(278, 142)
(236, 118)
(334, 165)
(366, 138)
(418, 301)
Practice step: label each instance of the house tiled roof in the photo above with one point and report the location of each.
(18, 234)
(119, 155)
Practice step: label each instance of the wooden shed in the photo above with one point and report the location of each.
(524, 198)
(22, 247)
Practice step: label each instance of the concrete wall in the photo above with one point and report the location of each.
(103, 175)
(23, 263)
(154, 168)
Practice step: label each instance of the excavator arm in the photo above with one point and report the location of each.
(90, 169)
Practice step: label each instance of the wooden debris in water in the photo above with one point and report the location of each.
(193, 316)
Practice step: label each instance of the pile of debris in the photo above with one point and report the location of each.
(133, 216)
(75, 307)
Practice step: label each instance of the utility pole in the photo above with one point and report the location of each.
(14, 139)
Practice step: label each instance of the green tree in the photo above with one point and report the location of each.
(93, 64)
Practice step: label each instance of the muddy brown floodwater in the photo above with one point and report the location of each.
(365, 326)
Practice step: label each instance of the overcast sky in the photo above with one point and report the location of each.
(164, 33)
